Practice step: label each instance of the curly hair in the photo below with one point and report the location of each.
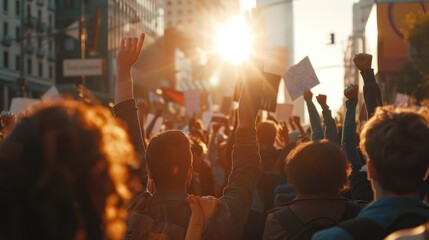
(65, 171)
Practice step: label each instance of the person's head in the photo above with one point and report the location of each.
(266, 133)
(169, 160)
(317, 168)
(396, 144)
(65, 172)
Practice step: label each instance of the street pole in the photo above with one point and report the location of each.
(82, 43)
(21, 84)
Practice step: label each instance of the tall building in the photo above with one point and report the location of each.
(107, 21)
(27, 46)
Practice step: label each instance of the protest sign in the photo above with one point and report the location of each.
(300, 77)
(51, 95)
(401, 99)
(270, 91)
(284, 111)
(192, 101)
(20, 105)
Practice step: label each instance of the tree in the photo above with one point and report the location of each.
(414, 79)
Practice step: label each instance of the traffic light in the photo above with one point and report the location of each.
(332, 38)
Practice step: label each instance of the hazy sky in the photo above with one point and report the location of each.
(314, 20)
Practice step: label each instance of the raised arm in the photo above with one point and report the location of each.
(316, 126)
(371, 90)
(234, 205)
(125, 108)
(331, 130)
(359, 185)
(349, 128)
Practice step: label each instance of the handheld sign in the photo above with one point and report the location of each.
(300, 77)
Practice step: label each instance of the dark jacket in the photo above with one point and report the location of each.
(233, 207)
(307, 209)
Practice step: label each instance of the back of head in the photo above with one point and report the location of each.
(317, 168)
(396, 141)
(62, 170)
(266, 133)
(169, 157)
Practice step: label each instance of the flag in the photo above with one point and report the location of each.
(171, 95)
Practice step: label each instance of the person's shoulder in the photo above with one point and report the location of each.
(332, 233)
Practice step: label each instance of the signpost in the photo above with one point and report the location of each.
(83, 67)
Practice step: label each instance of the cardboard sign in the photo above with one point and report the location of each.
(20, 105)
(284, 111)
(51, 95)
(300, 77)
(192, 102)
(270, 91)
(226, 105)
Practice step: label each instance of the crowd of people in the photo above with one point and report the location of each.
(74, 170)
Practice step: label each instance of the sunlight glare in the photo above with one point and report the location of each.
(233, 41)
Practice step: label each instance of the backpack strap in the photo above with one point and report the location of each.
(351, 210)
(362, 228)
(289, 220)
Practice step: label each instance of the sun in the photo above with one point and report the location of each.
(233, 41)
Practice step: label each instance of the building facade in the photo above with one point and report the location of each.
(27, 62)
(107, 22)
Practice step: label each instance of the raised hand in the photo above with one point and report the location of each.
(308, 95)
(129, 53)
(7, 120)
(292, 123)
(351, 91)
(321, 99)
(363, 61)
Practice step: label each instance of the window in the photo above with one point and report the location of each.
(17, 8)
(18, 34)
(5, 5)
(6, 59)
(17, 63)
(40, 69)
(69, 44)
(5, 29)
(29, 66)
(51, 72)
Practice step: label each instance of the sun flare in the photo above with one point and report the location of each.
(233, 41)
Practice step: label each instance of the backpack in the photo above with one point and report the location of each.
(142, 226)
(365, 228)
(298, 230)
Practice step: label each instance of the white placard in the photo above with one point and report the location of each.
(284, 111)
(300, 77)
(192, 102)
(401, 99)
(20, 105)
(51, 95)
(83, 67)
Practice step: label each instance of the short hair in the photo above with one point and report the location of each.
(317, 168)
(169, 157)
(65, 167)
(397, 143)
(266, 133)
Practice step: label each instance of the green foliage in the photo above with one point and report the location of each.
(414, 79)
